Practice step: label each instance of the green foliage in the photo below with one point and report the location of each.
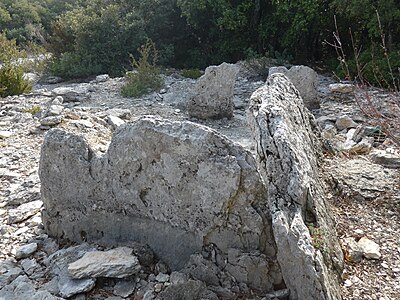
(191, 73)
(375, 68)
(95, 39)
(146, 76)
(11, 73)
(317, 237)
(33, 110)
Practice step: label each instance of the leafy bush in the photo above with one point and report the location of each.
(375, 68)
(191, 73)
(11, 72)
(146, 76)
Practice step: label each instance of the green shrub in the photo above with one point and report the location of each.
(374, 68)
(33, 110)
(12, 81)
(146, 76)
(71, 65)
(191, 73)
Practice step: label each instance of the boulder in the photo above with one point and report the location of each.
(287, 148)
(213, 93)
(305, 80)
(176, 186)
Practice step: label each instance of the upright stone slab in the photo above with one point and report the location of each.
(305, 80)
(287, 156)
(213, 93)
(176, 186)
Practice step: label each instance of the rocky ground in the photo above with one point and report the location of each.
(361, 166)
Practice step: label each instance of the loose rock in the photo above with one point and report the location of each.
(26, 250)
(117, 263)
(213, 93)
(370, 249)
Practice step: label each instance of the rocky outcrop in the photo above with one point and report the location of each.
(179, 187)
(305, 80)
(213, 93)
(308, 249)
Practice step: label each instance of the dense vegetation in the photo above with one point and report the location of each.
(90, 37)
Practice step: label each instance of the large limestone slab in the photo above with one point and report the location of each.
(287, 156)
(213, 93)
(176, 186)
(305, 80)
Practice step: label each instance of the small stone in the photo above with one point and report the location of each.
(348, 283)
(83, 123)
(117, 263)
(55, 110)
(124, 288)
(5, 134)
(51, 121)
(58, 100)
(178, 278)
(344, 88)
(370, 249)
(158, 287)
(396, 270)
(29, 266)
(102, 78)
(386, 159)
(329, 131)
(69, 287)
(161, 277)
(115, 121)
(26, 250)
(148, 295)
(24, 211)
(345, 122)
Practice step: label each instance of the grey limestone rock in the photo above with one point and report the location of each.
(24, 211)
(305, 80)
(287, 156)
(57, 266)
(8, 272)
(117, 263)
(213, 93)
(176, 186)
(23, 288)
(26, 250)
(345, 122)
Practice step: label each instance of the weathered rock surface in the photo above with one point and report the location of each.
(26, 250)
(361, 179)
(57, 265)
(305, 80)
(213, 93)
(23, 288)
(287, 157)
(176, 186)
(117, 263)
(24, 211)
